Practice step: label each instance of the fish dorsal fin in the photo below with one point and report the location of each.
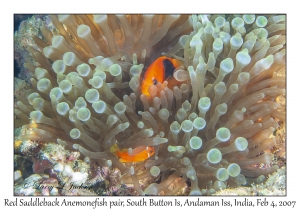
(169, 68)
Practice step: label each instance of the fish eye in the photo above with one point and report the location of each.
(154, 81)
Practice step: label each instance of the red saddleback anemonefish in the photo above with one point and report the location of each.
(160, 70)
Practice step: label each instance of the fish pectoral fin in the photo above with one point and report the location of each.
(122, 160)
(169, 77)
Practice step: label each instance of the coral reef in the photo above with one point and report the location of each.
(40, 167)
(213, 130)
(275, 185)
(23, 41)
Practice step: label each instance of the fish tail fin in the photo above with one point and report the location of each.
(114, 148)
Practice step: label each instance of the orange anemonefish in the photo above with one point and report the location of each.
(137, 154)
(160, 70)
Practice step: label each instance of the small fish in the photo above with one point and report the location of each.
(160, 70)
(138, 154)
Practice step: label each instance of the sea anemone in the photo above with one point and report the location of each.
(212, 131)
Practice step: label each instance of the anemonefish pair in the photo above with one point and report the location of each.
(160, 70)
(137, 154)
